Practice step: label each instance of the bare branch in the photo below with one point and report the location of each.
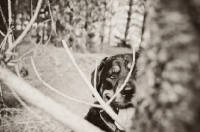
(106, 107)
(58, 92)
(9, 29)
(9, 13)
(23, 34)
(3, 17)
(52, 21)
(45, 21)
(33, 96)
(2, 33)
(3, 43)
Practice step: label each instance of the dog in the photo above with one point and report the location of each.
(111, 74)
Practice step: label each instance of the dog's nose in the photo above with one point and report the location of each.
(128, 91)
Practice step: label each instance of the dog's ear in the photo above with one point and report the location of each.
(99, 70)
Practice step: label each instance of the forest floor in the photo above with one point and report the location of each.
(55, 68)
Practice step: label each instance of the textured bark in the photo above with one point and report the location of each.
(170, 100)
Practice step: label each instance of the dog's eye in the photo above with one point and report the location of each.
(112, 77)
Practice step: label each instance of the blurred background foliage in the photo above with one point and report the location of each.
(85, 24)
(169, 98)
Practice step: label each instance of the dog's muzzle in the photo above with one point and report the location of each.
(128, 91)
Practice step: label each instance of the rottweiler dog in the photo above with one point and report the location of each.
(111, 74)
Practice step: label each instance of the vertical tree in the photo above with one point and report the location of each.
(3, 15)
(170, 101)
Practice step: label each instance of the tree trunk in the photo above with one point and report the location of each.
(170, 100)
(128, 20)
(3, 16)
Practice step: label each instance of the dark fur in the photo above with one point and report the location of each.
(104, 83)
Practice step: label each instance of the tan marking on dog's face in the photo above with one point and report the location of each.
(129, 65)
(115, 69)
(106, 94)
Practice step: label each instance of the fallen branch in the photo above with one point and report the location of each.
(106, 107)
(24, 104)
(19, 99)
(35, 97)
(58, 92)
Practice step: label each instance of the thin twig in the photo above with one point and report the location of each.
(3, 43)
(9, 29)
(21, 59)
(31, 50)
(23, 34)
(2, 33)
(106, 107)
(3, 17)
(58, 92)
(52, 21)
(9, 14)
(45, 21)
(126, 80)
(48, 40)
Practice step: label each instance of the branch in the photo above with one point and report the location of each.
(58, 92)
(24, 104)
(3, 17)
(9, 14)
(106, 107)
(23, 34)
(2, 33)
(33, 96)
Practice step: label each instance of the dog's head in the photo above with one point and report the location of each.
(111, 74)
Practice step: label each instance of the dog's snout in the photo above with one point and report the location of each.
(128, 91)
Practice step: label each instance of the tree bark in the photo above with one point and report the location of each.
(170, 101)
